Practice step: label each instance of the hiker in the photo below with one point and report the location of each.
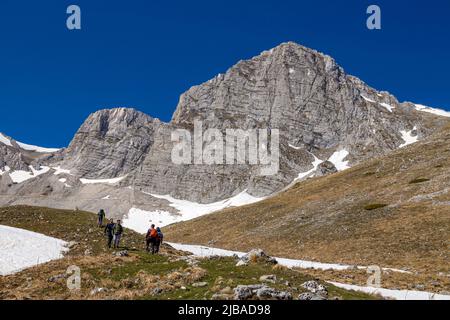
(159, 239)
(109, 232)
(118, 230)
(101, 216)
(148, 237)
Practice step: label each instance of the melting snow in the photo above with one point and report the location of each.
(337, 159)
(315, 164)
(6, 168)
(202, 251)
(387, 106)
(104, 181)
(59, 170)
(5, 140)
(21, 249)
(30, 147)
(140, 220)
(408, 137)
(367, 99)
(436, 111)
(20, 176)
(27, 147)
(294, 147)
(394, 294)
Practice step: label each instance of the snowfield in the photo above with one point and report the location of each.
(140, 220)
(30, 147)
(408, 137)
(21, 249)
(27, 147)
(436, 111)
(20, 176)
(394, 294)
(102, 181)
(5, 140)
(202, 251)
(337, 159)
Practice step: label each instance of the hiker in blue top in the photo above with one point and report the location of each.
(109, 232)
(159, 239)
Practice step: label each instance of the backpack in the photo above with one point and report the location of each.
(153, 233)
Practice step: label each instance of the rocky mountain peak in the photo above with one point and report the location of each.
(110, 143)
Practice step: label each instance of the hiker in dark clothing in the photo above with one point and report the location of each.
(101, 216)
(109, 232)
(159, 239)
(148, 237)
(118, 230)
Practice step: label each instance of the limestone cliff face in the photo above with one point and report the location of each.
(317, 107)
(110, 143)
(319, 110)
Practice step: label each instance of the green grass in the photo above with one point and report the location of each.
(102, 269)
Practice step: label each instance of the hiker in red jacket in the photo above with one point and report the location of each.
(148, 238)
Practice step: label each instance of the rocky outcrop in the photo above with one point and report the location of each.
(260, 292)
(326, 167)
(110, 143)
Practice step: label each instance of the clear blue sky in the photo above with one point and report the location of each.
(145, 53)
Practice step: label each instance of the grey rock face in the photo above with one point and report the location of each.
(12, 158)
(260, 292)
(317, 107)
(325, 168)
(110, 143)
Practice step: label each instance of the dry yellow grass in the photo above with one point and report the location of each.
(338, 218)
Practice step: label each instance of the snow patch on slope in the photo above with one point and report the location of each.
(27, 147)
(30, 147)
(21, 249)
(59, 170)
(6, 169)
(368, 99)
(394, 294)
(5, 140)
(436, 111)
(337, 159)
(202, 251)
(102, 181)
(140, 220)
(387, 106)
(315, 164)
(408, 137)
(20, 176)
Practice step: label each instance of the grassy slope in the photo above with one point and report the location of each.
(133, 277)
(393, 211)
